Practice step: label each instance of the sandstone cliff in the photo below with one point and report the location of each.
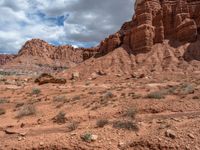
(162, 35)
(155, 21)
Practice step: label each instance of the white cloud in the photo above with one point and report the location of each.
(86, 22)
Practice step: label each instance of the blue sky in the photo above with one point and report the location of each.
(81, 23)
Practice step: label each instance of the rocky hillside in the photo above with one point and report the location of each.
(162, 36)
(40, 48)
(4, 58)
(160, 33)
(37, 55)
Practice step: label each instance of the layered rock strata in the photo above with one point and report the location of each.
(153, 22)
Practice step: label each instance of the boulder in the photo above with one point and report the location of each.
(46, 78)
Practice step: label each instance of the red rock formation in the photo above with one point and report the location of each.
(40, 48)
(154, 21)
(4, 58)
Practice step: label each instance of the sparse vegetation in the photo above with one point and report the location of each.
(128, 125)
(105, 98)
(108, 95)
(2, 111)
(87, 137)
(72, 126)
(186, 89)
(27, 110)
(182, 89)
(5, 73)
(3, 101)
(76, 98)
(60, 98)
(60, 118)
(130, 112)
(101, 123)
(134, 95)
(36, 91)
(156, 95)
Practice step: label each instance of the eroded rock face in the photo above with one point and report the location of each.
(4, 58)
(157, 20)
(47, 78)
(40, 48)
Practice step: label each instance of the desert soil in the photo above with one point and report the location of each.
(160, 111)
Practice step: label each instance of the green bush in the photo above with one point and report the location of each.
(87, 137)
(36, 91)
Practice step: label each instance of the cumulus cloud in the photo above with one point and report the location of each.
(76, 22)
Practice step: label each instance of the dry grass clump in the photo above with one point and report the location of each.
(130, 112)
(3, 101)
(60, 118)
(128, 125)
(72, 126)
(156, 95)
(26, 110)
(101, 123)
(2, 111)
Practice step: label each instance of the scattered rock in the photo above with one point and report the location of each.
(94, 76)
(10, 131)
(171, 134)
(19, 138)
(101, 73)
(41, 143)
(75, 76)
(94, 137)
(191, 136)
(88, 137)
(47, 78)
(121, 144)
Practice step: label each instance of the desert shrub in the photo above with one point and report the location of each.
(134, 95)
(108, 95)
(26, 110)
(101, 123)
(3, 101)
(60, 98)
(196, 97)
(2, 111)
(60, 118)
(36, 91)
(76, 98)
(130, 112)
(72, 126)
(128, 125)
(187, 89)
(156, 95)
(87, 137)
